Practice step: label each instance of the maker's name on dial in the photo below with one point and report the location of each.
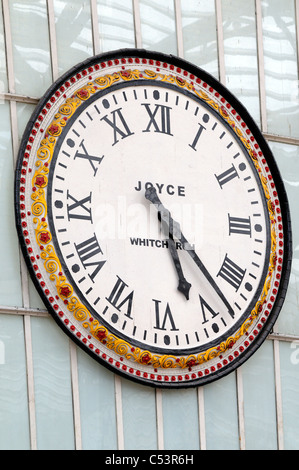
(162, 188)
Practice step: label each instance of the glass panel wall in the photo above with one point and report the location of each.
(281, 67)
(200, 35)
(158, 27)
(31, 47)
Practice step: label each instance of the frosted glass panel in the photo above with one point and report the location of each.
(14, 423)
(97, 404)
(199, 34)
(158, 25)
(180, 414)
(10, 283)
(24, 112)
(3, 77)
(259, 400)
(31, 56)
(73, 31)
(240, 53)
(221, 414)
(287, 158)
(52, 380)
(116, 24)
(289, 365)
(281, 69)
(139, 416)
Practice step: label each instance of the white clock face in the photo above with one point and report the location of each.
(153, 218)
(109, 236)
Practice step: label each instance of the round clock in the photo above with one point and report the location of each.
(153, 218)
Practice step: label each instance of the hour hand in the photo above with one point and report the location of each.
(171, 228)
(184, 285)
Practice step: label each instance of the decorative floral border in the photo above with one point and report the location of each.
(43, 235)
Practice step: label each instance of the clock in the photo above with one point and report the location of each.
(153, 218)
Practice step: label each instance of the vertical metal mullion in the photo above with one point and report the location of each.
(220, 41)
(52, 39)
(119, 413)
(23, 270)
(75, 394)
(8, 46)
(278, 395)
(201, 418)
(159, 418)
(179, 28)
(240, 404)
(95, 27)
(30, 381)
(261, 65)
(137, 23)
(297, 33)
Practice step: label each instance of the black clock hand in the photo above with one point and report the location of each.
(184, 285)
(166, 219)
(174, 231)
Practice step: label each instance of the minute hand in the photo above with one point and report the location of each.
(175, 232)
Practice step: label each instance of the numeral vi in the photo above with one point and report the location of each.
(163, 318)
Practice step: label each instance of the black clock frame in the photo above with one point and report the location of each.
(282, 195)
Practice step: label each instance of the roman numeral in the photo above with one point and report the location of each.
(159, 118)
(117, 299)
(198, 134)
(167, 317)
(79, 209)
(90, 158)
(204, 307)
(118, 124)
(87, 252)
(239, 225)
(231, 273)
(227, 176)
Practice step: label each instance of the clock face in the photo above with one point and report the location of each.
(153, 218)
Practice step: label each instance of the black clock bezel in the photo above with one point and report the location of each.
(282, 196)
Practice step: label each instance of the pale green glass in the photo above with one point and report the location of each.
(10, 281)
(52, 386)
(3, 72)
(97, 404)
(289, 366)
(281, 67)
(200, 35)
(180, 415)
(24, 112)
(14, 420)
(31, 49)
(73, 33)
(116, 24)
(139, 416)
(259, 399)
(221, 414)
(287, 158)
(158, 28)
(240, 53)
